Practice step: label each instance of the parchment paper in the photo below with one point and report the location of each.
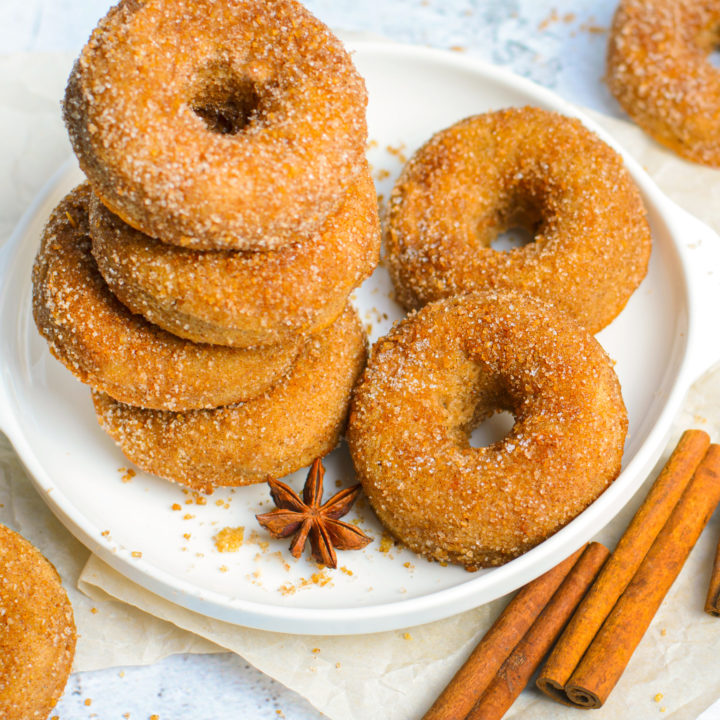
(350, 678)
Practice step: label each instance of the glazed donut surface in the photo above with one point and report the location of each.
(108, 347)
(519, 167)
(439, 373)
(300, 419)
(246, 139)
(242, 298)
(659, 71)
(37, 631)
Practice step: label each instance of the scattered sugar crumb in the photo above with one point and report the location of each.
(386, 543)
(94, 610)
(105, 533)
(88, 702)
(407, 636)
(346, 570)
(176, 506)
(136, 554)
(658, 697)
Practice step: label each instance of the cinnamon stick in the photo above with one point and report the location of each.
(517, 670)
(623, 563)
(712, 603)
(475, 675)
(608, 655)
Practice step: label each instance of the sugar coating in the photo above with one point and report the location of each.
(37, 631)
(299, 419)
(242, 298)
(108, 347)
(441, 371)
(519, 167)
(659, 71)
(152, 76)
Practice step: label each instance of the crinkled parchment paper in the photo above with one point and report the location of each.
(349, 677)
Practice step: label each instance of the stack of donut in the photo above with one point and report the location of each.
(199, 280)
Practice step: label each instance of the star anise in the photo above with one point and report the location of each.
(306, 517)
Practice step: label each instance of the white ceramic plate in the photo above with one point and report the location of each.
(662, 341)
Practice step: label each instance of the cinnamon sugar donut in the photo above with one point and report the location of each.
(300, 419)
(217, 125)
(242, 298)
(659, 71)
(519, 167)
(37, 631)
(104, 345)
(436, 376)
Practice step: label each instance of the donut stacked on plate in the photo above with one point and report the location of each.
(199, 281)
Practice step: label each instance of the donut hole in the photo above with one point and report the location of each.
(225, 101)
(714, 57)
(514, 237)
(516, 224)
(492, 429)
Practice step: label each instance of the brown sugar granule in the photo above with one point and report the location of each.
(88, 701)
(94, 611)
(346, 570)
(105, 533)
(397, 151)
(187, 536)
(230, 539)
(129, 475)
(136, 554)
(386, 543)
(176, 507)
(188, 516)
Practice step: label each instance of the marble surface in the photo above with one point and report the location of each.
(559, 44)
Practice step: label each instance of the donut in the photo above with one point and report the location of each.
(300, 419)
(106, 346)
(217, 125)
(519, 167)
(443, 370)
(242, 298)
(659, 71)
(37, 631)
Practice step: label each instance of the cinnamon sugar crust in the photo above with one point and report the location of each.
(522, 167)
(37, 631)
(217, 125)
(659, 71)
(108, 347)
(299, 419)
(436, 376)
(242, 298)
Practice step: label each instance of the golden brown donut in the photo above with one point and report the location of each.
(242, 298)
(37, 631)
(217, 125)
(104, 345)
(300, 419)
(659, 71)
(522, 167)
(435, 377)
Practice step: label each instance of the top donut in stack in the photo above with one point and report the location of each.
(229, 214)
